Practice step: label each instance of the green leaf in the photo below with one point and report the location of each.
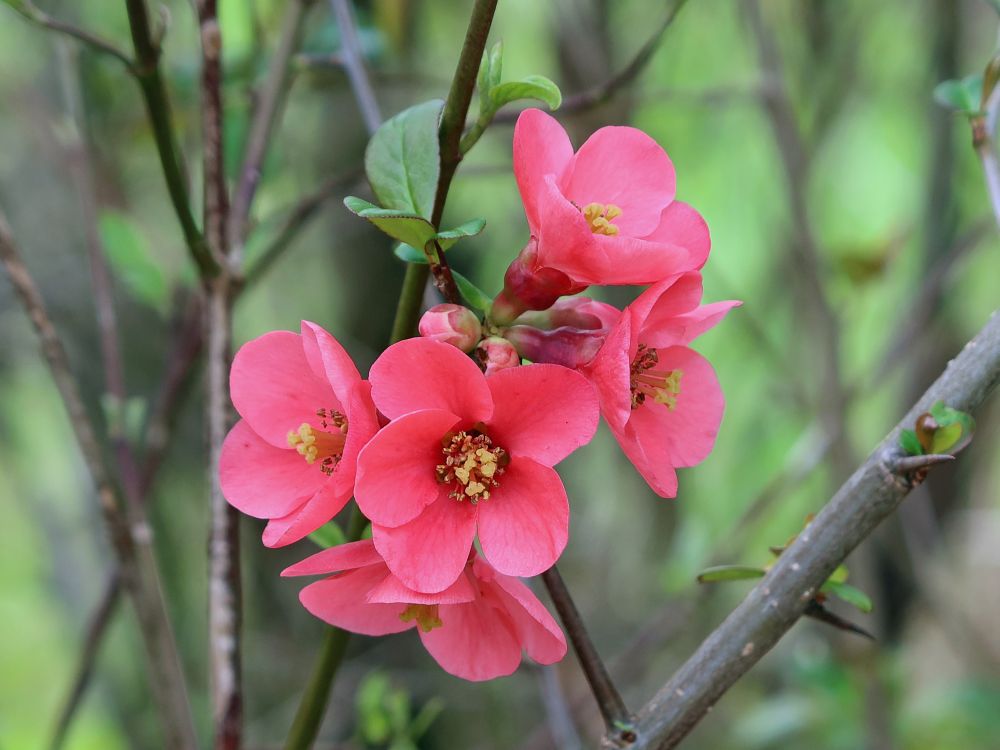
(839, 575)
(476, 297)
(909, 442)
(449, 237)
(729, 573)
(529, 87)
(328, 535)
(407, 252)
(402, 160)
(131, 259)
(489, 74)
(855, 597)
(960, 95)
(405, 227)
(955, 429)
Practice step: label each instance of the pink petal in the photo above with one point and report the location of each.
(273, 387)
(544, 412)
(418, 374)
(429, 553)
(625, 167)
(340, 601)
(538, 632)
(684, 328)
(610, 370)
(657, 439)
(656, 308)
(261, 480)
(565, 242)
(475, 642)
(524, 525)
(329, 360)
(396, 479)
(362, 422)
(313, 513)
(392, 590)
(682, 225)
(541, 147)
(335, 559)
(626, 260)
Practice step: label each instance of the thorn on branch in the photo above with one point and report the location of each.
(817, 611)
(908, 465)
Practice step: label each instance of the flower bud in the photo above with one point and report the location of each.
(527, 286)
(569, 347)
(495, 353)
(451, 324)
(575, 312)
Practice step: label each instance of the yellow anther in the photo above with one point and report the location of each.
(425, 615)
(318, 445)
(663, 386)
(599, 217)
(472, 465)
(304, 441)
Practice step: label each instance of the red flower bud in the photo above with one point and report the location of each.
(495, 353)
(528, 286)
(569, 347)
(451, 324)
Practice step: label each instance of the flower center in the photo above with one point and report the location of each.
(599, 216)
(325, 445)
(663, 386)
(472, 465)
(426, 616)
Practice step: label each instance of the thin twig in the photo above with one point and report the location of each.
(870, 495)
(617, 719)
(127, 527)
(265, 119)
(617, 83)
(558, 717)
(39, 17)
(224, 606)
(353, 61)
(97, 625)
(154, 92)
(984, 128)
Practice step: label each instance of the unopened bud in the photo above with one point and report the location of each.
(451, 324)
(569, 347)
(495, 353)
(574, 312)
(527, 286)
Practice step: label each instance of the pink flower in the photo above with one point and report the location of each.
(494, 354)
(306, 414)
(475, 629)
(466, 452)
(661, 399)
(604, 215)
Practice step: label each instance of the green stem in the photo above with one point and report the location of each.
(410, 298)
(154, 92)
(308, 718)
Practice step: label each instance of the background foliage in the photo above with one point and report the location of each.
(893, 195)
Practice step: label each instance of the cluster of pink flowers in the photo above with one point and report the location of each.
(454, 435)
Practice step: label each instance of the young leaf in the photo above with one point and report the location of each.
(729, 573)
(409, 254)
(402, 160)
(960, 95)
(405, 227)
(839, 575)
(909, 442)
(855, 597)
(328, 535)
(529, 87)
(449, 237)
(489, 74)
(131, 259)
(955, 429)
(476, 297)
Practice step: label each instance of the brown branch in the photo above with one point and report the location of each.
(352, 59)
(39, 17)
(127, 526)
(265, 119)
(870, 495)
(984, 128)
(223, 545)
(617, 719)
(96, 628)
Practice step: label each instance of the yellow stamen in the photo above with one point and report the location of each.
(426, 616)
(599, 216)
(319, 445)
(472, 465)
(663, 386)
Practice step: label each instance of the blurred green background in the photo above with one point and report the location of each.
(890, 192)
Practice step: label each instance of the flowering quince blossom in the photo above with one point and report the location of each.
(306, 413)
(464, 452)
(603, 215)
(476, 628)
(661, 399)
